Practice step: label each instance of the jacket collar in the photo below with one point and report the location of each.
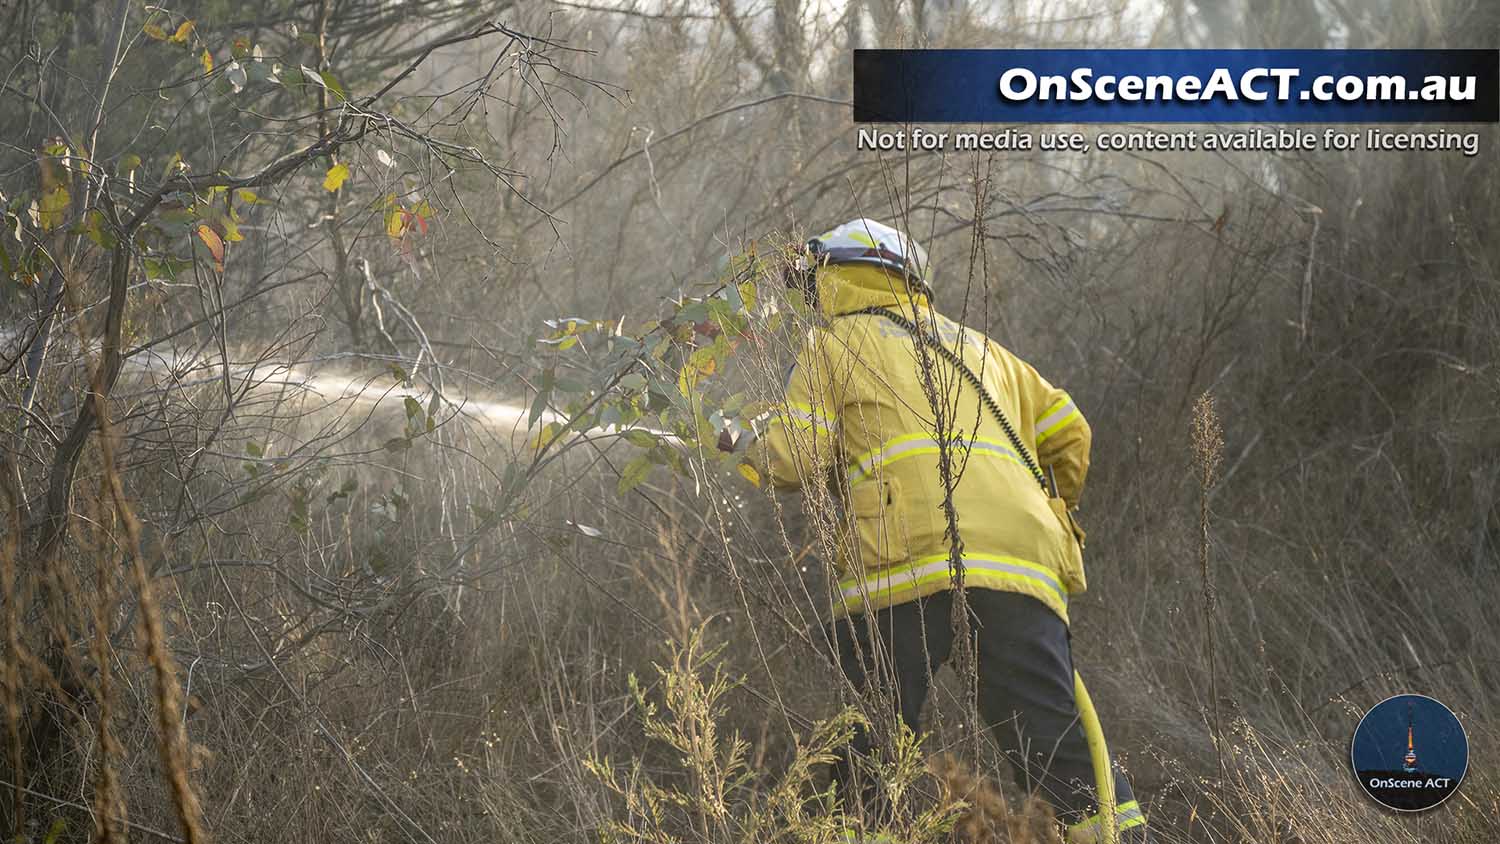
(846, 288)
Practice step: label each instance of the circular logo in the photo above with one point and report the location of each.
(1409, 753)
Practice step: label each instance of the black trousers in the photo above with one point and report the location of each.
(1024, 663)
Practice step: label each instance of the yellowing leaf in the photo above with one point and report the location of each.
(59, 150)
(640, 438)
(750, 473)
(207, 60)
(231, 230)
(333, 85)
(546, 436)
(395, 222)
(53, 208)
(183, 33)
(700, 364)
(226, 226)
(337, 175)
(54, 167)
(214, 243)
(97, 229)
(155, 31)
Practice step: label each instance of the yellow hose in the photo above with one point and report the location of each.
(1104, 779)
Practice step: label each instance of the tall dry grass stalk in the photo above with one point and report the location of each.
(171, 733)
(109, 802)
(709, 792)
(10, 668)
(1208, 453)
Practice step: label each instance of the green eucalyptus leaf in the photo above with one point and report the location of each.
(634, 473)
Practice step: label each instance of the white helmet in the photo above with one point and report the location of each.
(865, 241)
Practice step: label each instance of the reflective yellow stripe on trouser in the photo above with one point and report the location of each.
(1105, 826)
(1127, 816)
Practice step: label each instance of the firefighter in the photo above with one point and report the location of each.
(856, 410)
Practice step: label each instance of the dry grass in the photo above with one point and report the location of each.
(987, 817)
(506, 714)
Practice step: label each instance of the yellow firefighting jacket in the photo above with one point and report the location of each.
(855, 414)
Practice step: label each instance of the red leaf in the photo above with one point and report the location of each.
(214, 243)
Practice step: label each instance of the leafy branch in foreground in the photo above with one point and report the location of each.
(663, 387)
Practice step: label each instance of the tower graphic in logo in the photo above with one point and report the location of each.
(1393, 775)
(1409, 764)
